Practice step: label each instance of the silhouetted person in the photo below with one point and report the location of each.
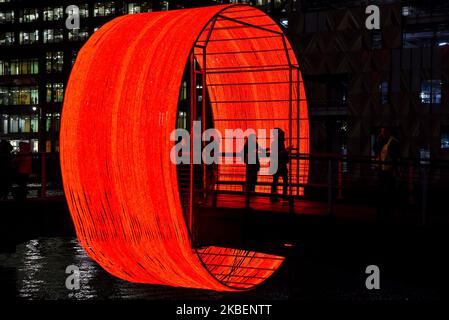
(282, 169)
(387, 151)
(23, 166)
(251, 159)
(5, 168)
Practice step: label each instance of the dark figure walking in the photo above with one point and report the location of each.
(387, 152)
(5, 169)
(23, 166)
(251, 159)
(282, 169)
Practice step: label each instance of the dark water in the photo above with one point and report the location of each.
(37, 271)
(40, 266)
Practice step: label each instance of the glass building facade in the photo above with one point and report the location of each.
(37, 52)
(357, 80)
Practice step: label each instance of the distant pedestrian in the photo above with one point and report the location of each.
(251, 159)
(23, 167)
(283, 156)
(5, 168)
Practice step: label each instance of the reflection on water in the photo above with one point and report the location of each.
(40, 274)
(33, 263)
(37, 271)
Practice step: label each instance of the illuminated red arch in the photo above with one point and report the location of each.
(119, 109)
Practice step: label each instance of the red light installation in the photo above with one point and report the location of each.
(119, 109)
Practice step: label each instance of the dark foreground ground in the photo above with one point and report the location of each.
(327, 261)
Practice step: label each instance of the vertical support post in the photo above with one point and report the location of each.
(204, 119)
(43, 174)
(192, 119)
(410, 182)
(290, 129)
(329, 187)
(340, 179)
(424, 195)
(247, 198)
(298, 123)
(290, 138)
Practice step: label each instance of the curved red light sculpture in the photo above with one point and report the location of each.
(119, 109)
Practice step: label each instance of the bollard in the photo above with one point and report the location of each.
(340, 180)
(43, 175)
(329, 187)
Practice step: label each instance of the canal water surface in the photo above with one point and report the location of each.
(37, 271)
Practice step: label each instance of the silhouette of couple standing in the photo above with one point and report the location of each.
(251, 154)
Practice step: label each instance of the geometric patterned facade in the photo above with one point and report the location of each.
(336, 44)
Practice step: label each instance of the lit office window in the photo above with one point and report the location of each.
(55, 92)
(54, 62)
(53, 35)
(52, 120)
(384, 92)
(19, 66)
(74, 54)
(56, 121)
(408, 11)
(13, 124)
(53, 13)
(28, 124)
(1, 1)
(48, 62)
(164, 5)
(104, 9)
(34, 145)
(84, 10)
(284, 22)
(430, 91)
(19, 124)
(182, 120)
(184, 90)
(47, 122)
(262, 2)
(6, 38)
(49, 92)
(34, 126)
(29, 37)
(49, 35)
(78, 34)
(425, 38)
(6, 16)
(4, 96)
(18, 96)
(424, 155)
(4, 124)
(28, 15)
(445, 137)
(139, 7)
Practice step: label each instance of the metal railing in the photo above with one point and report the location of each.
(43, 181)
(419, 192)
